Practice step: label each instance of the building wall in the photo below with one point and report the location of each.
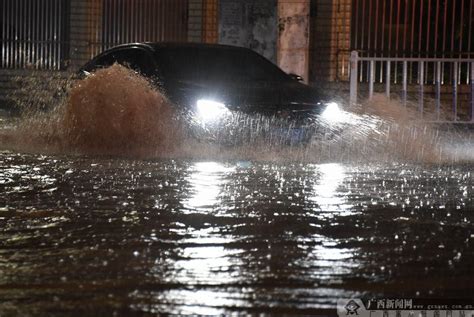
(85, 22)
(343, 40)
(251, 24)
(327, 54)
(82, 25)
(293, 36)
(84, 28)
(210, 32)
(318, 50)
(329, 40)
(195, 20)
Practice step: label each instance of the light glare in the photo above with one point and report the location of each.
(209, 110)
(332, 113)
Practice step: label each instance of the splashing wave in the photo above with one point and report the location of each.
(112, 112)
(117, 112)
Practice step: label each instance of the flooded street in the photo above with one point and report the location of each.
(102, 236)
(237, 158)
(120, 210)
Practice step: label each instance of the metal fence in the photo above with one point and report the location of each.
(125, 21)
(420, 64)
(414, 28)
(34, 33)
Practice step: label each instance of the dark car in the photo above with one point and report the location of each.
(210, 80)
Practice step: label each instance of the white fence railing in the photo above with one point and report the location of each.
(386, 62)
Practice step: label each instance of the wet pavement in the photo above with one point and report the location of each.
(86, 236)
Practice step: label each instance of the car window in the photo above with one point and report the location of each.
(134, 58)
(218, 65)
(104, 61)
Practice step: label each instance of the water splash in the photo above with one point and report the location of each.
(387, 130)
(117, 112)
(112, 112)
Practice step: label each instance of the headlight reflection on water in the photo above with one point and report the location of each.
(256, 242)
(207, 181)
(205, 259)
(331, 202)
(326, 193)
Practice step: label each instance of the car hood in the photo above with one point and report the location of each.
(299, 95)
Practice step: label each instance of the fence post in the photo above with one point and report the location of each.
(472, 92)
(455, 91)
(387, 80)
(354, 63)
(404, 87)
(421, 77)
(438, 90)
(371, 79)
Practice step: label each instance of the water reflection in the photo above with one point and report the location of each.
(327, 192)
(206, 181)
(203, 264)
(138, 237)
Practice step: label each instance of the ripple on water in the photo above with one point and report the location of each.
(164, 235)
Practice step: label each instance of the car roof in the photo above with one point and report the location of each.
(160, 46)
(174, 45)
(157, 47)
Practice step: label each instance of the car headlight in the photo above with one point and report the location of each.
(332, 113)
(208, 110)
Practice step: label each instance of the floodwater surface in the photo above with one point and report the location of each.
(88, 236)
(109, 206)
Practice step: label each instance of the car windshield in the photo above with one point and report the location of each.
(217, 65)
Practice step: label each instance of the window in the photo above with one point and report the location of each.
(218, 65)
(134, 58)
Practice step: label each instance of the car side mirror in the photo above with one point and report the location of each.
(81, 74)
(296, 77)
